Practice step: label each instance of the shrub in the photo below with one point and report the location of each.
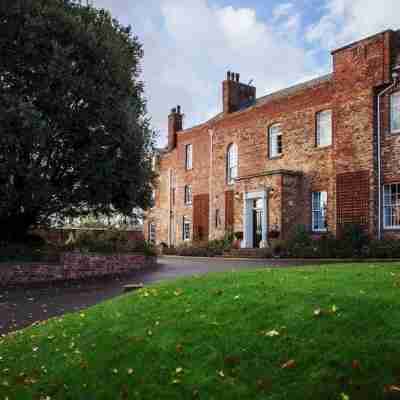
(108, 242)
(352, 242)
(279, 248)
(384, 249)
(300, 243)
(28, 252)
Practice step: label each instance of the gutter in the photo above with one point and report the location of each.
(395, 77)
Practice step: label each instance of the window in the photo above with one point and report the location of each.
(186, 228)
(319, 201)
(391, 206)
(324, 128)
(173, 186)
(395, 112)
(275, 141)
(217, 218)
(231, 163)
(188, 156)
(152, 232)
(188, 194)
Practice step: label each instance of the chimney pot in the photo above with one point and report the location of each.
(228, 75)
(237, 77)
(179, 109)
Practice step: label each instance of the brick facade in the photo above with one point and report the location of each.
(361, 70)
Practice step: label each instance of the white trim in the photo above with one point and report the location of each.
(248, 221)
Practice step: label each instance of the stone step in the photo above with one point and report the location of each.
(133, 286)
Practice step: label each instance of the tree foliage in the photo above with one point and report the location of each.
(74, 136)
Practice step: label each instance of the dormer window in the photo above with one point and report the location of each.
(395, 113)
(275, 141)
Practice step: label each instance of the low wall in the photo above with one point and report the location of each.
(73, 266)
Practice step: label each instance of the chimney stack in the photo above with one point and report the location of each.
(236, 95)
(175, 119)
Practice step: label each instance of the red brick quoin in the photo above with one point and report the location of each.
(279, 187)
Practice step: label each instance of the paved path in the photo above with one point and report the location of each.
(22, 307)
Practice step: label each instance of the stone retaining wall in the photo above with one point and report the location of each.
(73, 266)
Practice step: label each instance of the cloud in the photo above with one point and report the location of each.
(344, 21)
(189, 46)
(282, 10)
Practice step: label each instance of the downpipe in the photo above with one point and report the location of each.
(395, 78)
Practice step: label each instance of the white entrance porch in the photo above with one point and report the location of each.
(255, 219)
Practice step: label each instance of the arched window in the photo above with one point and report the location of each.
(275, 141)
(231, 163)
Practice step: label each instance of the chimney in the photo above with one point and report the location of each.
(236, 95)
(174, 125)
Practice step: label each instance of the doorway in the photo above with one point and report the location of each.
(255, 224)
(258, 215)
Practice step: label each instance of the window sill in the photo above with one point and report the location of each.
(391, 228)
(396, 132)
(319, 232)
(320, 148)
(276, 157)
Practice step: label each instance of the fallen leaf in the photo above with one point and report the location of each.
(392, 389)
(179, 348)
(221, 373)
(232, 361)
(317, 312)
(289, 364)
(272, 333)
(355, 364)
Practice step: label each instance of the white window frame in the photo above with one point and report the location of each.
(391, 192)
(188, 195)
(189, 157)
(320, 126)
(186, 229)
(274, 135)
(318, 210)
(231, 164)
(393, 96)
(152, 232)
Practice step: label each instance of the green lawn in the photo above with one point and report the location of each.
(310, 333)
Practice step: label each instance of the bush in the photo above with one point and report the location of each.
(32, 251)
(108, 242)
(353, 241)
(384, 249)
(300, 244)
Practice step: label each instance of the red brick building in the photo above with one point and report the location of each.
(322, 153)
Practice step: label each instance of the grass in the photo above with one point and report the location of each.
(308, 333)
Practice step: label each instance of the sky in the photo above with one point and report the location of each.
(189, 45)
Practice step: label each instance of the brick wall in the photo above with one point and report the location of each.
(73, 266)
(360, 70)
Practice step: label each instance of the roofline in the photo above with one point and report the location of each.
(282, 93)
(360, 40)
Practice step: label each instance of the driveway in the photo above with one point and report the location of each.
(21, 307)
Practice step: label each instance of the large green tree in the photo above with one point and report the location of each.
(74, 136)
